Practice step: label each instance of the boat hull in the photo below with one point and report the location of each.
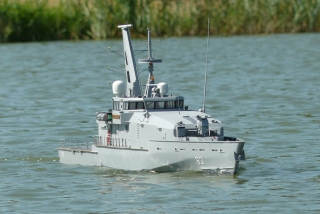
(170, 156)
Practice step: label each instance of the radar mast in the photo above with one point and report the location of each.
(150, 82)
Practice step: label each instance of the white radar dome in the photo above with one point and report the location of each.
(118, 88)
(163, 88)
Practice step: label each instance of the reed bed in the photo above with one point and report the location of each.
(40, 20)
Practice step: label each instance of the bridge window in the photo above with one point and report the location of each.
(159, 104)
(115, 105)
(132, 105)
(179, 104)
(169, 104)
(125, 105)
(140, 105)
(150, 104)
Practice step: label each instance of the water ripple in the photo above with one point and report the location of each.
(263, 88)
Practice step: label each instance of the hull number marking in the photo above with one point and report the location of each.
(199, 160)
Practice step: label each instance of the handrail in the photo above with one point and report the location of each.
(76, 143)
(86, 143)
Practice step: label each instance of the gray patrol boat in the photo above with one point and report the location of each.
(152, 130)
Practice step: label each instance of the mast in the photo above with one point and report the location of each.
(206, 73)
(150, 60)
(133, 84)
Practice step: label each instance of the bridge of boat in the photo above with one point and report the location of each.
(133, 103)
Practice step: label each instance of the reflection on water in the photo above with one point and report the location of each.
(263, 88)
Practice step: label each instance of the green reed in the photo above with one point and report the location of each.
(39, 20)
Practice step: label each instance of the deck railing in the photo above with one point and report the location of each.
(86, 143)
(77, 143)
(111, 141)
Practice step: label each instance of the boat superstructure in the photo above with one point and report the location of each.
(151, 130)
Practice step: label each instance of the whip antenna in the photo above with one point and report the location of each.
(205, 76)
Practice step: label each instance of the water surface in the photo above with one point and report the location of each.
(265, 89)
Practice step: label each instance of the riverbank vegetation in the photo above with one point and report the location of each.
(41, 20)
